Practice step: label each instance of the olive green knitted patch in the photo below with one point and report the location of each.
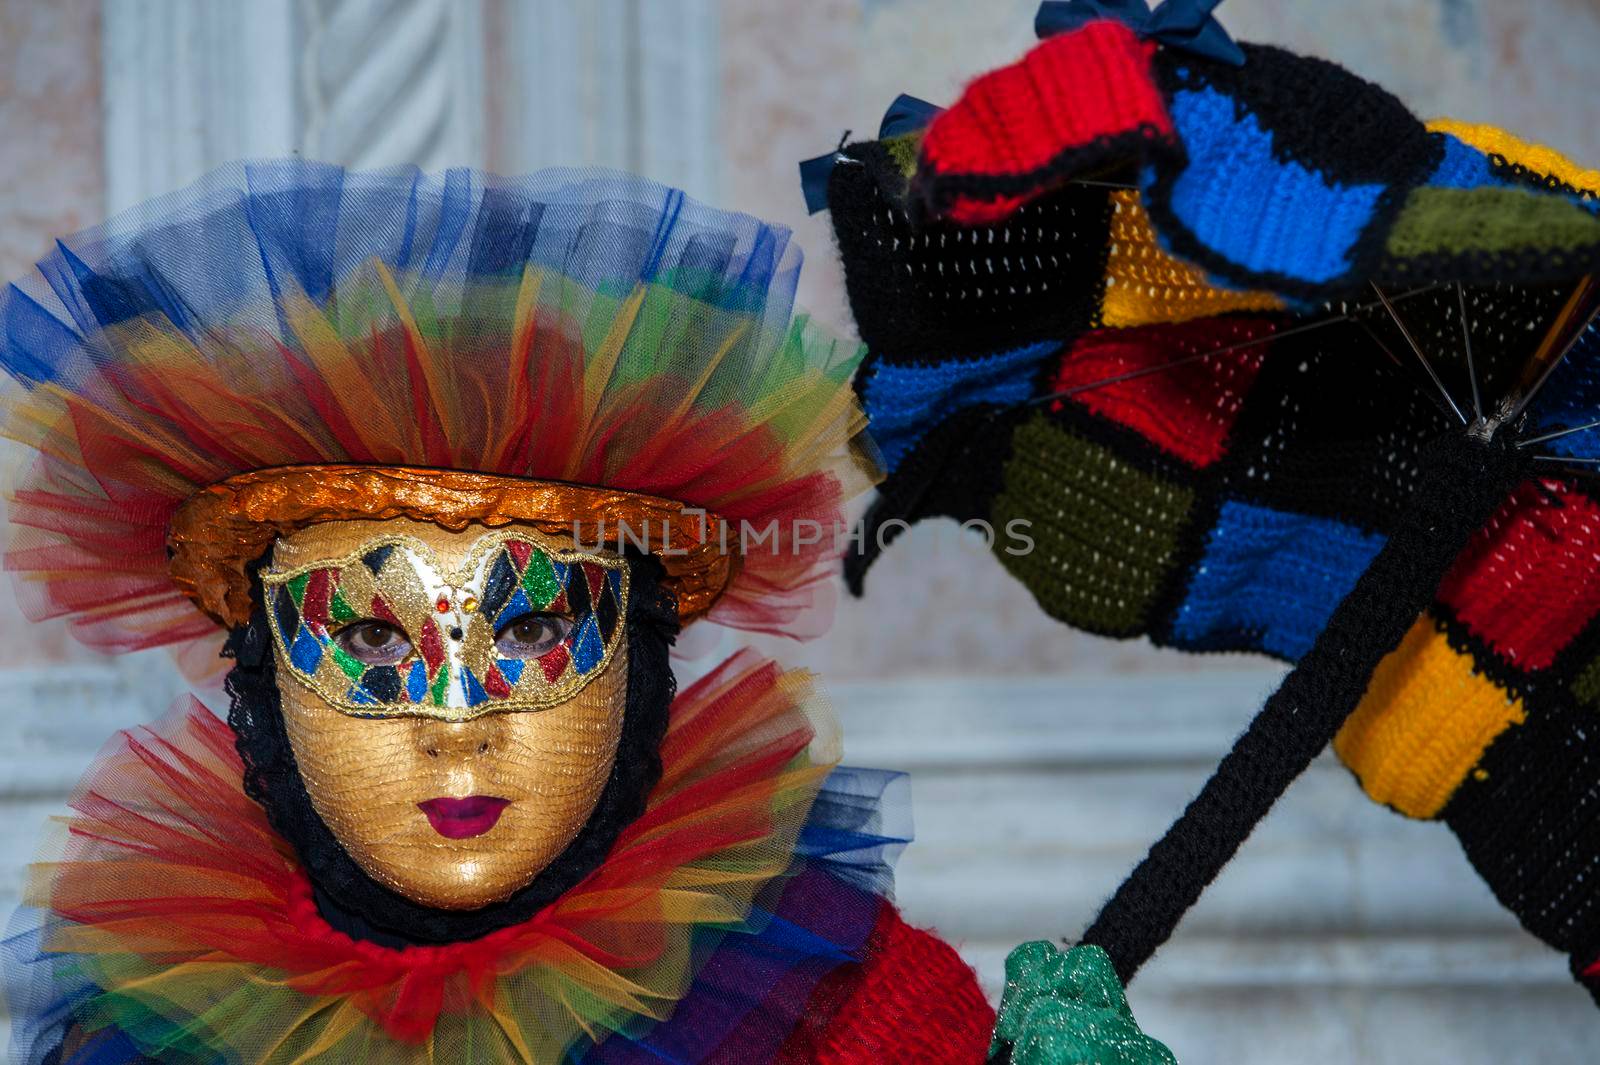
(903, 150)
(1586, 685)
(1105, 534)
(1487, 221)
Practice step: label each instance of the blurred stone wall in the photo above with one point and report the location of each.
(51, 182)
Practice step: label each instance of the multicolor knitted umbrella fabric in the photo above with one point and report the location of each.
(1267, 364)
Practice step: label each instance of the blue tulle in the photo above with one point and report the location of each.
(859, 824)
(42, 992)
(229, 247)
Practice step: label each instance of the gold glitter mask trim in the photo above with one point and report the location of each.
(386, 631)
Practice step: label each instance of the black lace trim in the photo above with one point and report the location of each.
(1536, 179)
(365, 909)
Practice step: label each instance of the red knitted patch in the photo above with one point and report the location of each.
(1020, 129)
(1528, 583)
(1185, 408)
(912, 1002)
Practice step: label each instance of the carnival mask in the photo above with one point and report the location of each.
(454, 700)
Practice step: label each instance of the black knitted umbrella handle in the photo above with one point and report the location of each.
(1463, 480)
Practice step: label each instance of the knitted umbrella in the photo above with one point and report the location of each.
(1257, 361)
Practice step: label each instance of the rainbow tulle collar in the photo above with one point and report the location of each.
(178, 922)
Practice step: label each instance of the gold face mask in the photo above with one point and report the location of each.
(460, 801)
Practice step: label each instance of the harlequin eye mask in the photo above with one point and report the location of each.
(387, 631)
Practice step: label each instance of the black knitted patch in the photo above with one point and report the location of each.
(1530, 823)
(1332, 428)
(1578, 666)
(932, 292)
(1507, 321)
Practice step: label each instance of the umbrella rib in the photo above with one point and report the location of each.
(1145, 371)
(1378, 341)
(1124, 185)
(1566, 349)
(1417, 348)
(1558, 434)
(1466, 342)
(1568, 458)
(1372, 335)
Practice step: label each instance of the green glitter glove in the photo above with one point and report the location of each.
(1068, 1008)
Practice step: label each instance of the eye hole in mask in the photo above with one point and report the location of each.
(374, 642)
(531, 635)
(386, 631)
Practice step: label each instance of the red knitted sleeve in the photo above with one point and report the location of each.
(913, 1001)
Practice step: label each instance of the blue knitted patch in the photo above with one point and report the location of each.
(1271, 576)
(904, 402)
(1464, 167)
(1571, 399)
(1267, 215)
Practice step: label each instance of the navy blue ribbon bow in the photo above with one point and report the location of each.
(814, 179)
(1185, 24)
(905, 115)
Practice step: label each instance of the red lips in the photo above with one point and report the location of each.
(463, 818)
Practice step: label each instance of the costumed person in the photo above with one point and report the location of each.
(1263, 363)
(441, 465)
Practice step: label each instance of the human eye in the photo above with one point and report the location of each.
(375, 642)
(531, 635)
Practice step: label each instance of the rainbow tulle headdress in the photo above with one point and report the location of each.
(289, 342)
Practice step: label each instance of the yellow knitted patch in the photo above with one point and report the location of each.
(1425, 721)
(1491, 140)
(1145, 285)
